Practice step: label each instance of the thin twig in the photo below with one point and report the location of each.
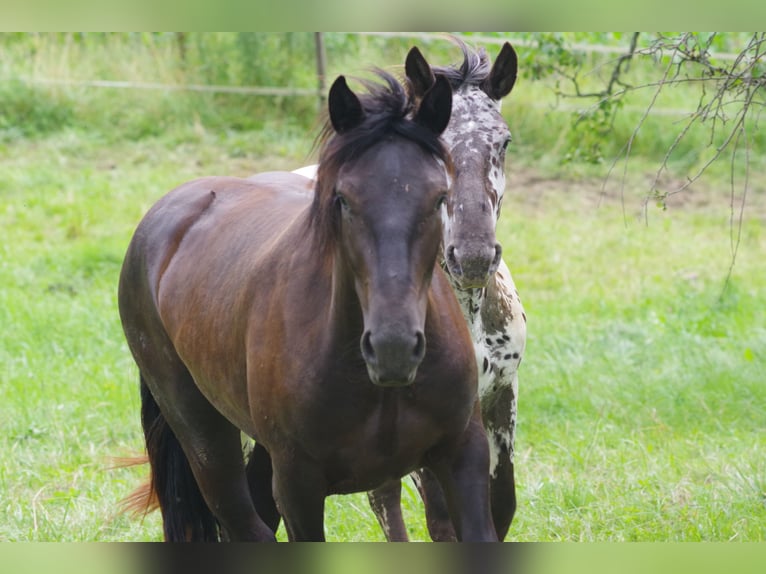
(629, 145)
(741, 217)
(738, 84)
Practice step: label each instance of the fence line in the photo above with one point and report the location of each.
(578, 46)
(272, 91)
(248, 90)
(289, 92)
(432, 36)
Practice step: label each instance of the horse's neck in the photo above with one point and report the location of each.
(345, 309)
(471, 301)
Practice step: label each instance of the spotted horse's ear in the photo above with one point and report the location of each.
(344, 106)
(502, 77)
(418, 72)
(436, 106)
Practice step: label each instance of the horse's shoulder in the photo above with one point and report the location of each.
(502, 309)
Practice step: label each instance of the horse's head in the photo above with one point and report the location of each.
(477, 137)
(383, 178)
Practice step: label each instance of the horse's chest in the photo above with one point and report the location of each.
(498, 357)
(377, 436)
(498, 350)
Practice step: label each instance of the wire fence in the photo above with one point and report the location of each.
(522, 42)
(321, 59)
(132, 85)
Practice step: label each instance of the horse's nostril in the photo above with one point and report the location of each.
(368, 352)
(420, 346)
(452, 256)
(498, 255)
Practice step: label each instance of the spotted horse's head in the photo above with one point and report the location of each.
(477, 137)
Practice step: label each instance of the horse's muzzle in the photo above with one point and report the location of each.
(472, 268)
(393, 359)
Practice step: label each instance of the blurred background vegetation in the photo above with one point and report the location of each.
(43, 88)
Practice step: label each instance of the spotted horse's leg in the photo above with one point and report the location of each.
(498, 409)
(386, 503)
(503, 322)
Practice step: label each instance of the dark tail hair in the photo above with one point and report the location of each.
(185, 515)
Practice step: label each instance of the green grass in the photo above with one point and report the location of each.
(642, 398)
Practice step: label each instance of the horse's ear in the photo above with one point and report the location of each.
(345, 108)
(436, 106)
(418, 72)
(501, 79)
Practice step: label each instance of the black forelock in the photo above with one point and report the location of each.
(388, 110)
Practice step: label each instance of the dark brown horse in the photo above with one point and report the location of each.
(321, 326)
(477, 136)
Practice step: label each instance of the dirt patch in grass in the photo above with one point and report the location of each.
(534, 189)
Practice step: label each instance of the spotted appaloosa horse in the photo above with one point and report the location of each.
(320, 325)
(477, 137)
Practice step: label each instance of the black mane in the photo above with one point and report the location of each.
(472, 72)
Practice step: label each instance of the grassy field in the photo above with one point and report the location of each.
(643, 404)
(642, 395)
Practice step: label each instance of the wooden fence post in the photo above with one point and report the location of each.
(321, 69)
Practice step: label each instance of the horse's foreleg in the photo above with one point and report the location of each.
(502, 487)
(499, 415)
(259, 475)
(213, 448)
(220, 472)
(465, 480)
(386, 503)
(438, 519)
(299, 491)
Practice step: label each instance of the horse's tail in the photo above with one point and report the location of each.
(142, 500)
(185, 515)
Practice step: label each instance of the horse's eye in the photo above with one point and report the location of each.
(440, 201)
(341, 200)
(506, 143)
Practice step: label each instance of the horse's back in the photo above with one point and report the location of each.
(281, 192)
(196, 259)
(227, 205)
(215, 231)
